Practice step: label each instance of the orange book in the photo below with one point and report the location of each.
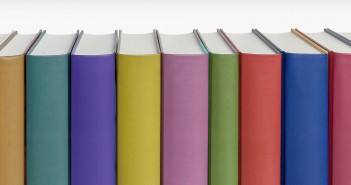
(12, 150)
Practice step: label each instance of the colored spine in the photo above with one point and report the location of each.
(93, 124)
(341, 118)
(185, 119)
(223, 119)
(139, 119)
(260, 119)
(305, 114)
(47, 115)
(12, 120)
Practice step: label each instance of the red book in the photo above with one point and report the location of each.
(260, 110)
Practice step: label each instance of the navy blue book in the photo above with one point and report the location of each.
(304, 109)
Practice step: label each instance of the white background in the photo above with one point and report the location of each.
(176, 16)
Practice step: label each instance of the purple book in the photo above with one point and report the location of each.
(93, 110)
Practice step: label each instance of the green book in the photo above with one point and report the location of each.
(47, 110)
(223, 109)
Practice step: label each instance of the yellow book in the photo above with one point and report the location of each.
(138, 110)
(12, 151)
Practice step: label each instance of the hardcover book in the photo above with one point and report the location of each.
(260, 109)
(13, 48)
(138, 109)
(305, 109)
(339, 51)
(93, 110)
(185, 110)
(47, 110)
(223, 109)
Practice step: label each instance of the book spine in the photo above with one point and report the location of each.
(260, 119)
(139, 119)
(306, 119)
(12, 120)
(93, 124)
(185, 119)
(224, 118)
(47, 120)
(341, 127)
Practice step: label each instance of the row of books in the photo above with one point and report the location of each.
(191, 109)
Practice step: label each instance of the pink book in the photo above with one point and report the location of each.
(185, 110)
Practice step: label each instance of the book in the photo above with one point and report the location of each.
(13, 48)
(93, 110)
(260, 109)
(339, 52)
(184, 110)
(305, 110)
(223, 109)
(47, 110)
(138, 109)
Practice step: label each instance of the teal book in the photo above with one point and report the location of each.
(47, 110)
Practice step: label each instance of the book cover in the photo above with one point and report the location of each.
(12, 107)
(305, 110)
(138, 110)
(47, 110)
(223, 109)
(185, 111)
(93, 110)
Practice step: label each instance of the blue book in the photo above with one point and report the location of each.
(304, 109)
